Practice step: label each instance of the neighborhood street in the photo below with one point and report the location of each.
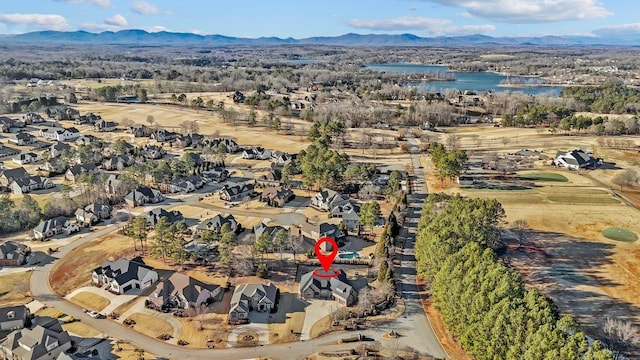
(413, 326)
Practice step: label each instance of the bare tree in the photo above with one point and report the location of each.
(126, 122)
(628, 177)
(369, 192)
(151, 120)
(521, 229)
(505, 141)
(453, 142)
(622, 335)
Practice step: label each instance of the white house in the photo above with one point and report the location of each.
(63, 134)
(328, 199)
(28, 184)
(123, 275)
(576, 159)
(55, 226)
(26, 158)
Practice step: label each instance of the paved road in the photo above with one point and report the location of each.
(414, 325)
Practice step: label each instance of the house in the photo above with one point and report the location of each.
(123, 275)
(327, 288)
(62, 112)
(281, 158)
(229, 144)
(32, 118)
(28, 184)
(93, 213)
(105, 126)
(6, 124)
(162, 135)
(54, 166)
(182, 141)
(153, 216)
(88, 119)
(45, 340)
(216, 174)
(196, 180)
(262, 228)
(350, 215)
(73, 173)
(60, 134)
(183, 292)
(276, 196)
(576, 159)
(8, 175)
(13, 254)
(14, 317)
(215, 224)
(55, 226)
(143, 195)
(252, 297)
(180, 185)
(86, 140)
(316, 231)
(140, 130)
(257, 153)
(273, 178)
(58, 148)
(237, 192)
(153, 152)
(23, 139)
(117, 162)
(26, 158)
(328, 199)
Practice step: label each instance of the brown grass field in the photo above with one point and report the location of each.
(15, 288)
(150, 325)
(90, 301)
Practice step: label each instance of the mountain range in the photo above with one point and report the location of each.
(141, 37)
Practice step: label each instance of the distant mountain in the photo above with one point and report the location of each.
(141, 37)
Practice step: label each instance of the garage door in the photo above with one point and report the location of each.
(126, 288)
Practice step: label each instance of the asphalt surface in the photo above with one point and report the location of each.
(414, 327)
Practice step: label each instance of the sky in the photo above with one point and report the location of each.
(306, 18)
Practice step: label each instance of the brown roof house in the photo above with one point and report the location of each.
(316, 231)
(13, 253)
(252, 297)
(184, 292)
(276, 196)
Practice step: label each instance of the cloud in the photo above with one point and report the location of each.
(620, 29)
(431, 26)
(530, 11)
(146, 8)
(116, 20)
(197, 32)
(100, 3)
(156, 28)
(42, 21)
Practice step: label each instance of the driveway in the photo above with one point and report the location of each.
(115, 301)
(316, 310)
(259, 323)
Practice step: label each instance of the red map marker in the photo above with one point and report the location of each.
(326, 260)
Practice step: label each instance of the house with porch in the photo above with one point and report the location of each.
(183, 292)
(252, 297)
(28, 184)
(350, 215)
(55, 226)
(93, 213)
(26, 158)
(23, 139)
(215, 224)
(73, 173)
(7, 176)
(124, 275)
(153, 216)
(143, 195)
(328, 199)
(335, 288)
(237, 192)
(313, 232)
(45, 340)
(276, 196)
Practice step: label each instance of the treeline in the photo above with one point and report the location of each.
(18, 217)
(610, 98)
(321, 166)
(448, 163)
(111, 93)
(483, 303)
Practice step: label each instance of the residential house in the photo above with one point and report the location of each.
(180, 185)
(32, 118)
(86, 140)
(73, 173)
(26, 158)
(58, 148)
(13, 254)
(252, 297)
(54, 166)
(88, 119)
(183, 292)
(229, 144)
(93, 213)
(576, 159)
(14, 317)
(45, 340)
(257, 153)
(272, 178)
(6, 124)
(216, 174)
(262, 228)
(282, 158)
(105, 126)
(327, 288)
(215, 224)
(276, 196)
(123, 275)
(55, 226)
(23, 139)
(182, 141)
(62, 112)
(196, 180)
(328, 199)
(153, 216)
(8, 175)
(314, 232)
(162, 135)
(237, 192)
(143, 195)
(350, 215)
(28, 184)
(153, 152)
(140, 130)
(117, 162)
(60, 134)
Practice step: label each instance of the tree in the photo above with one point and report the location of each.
(252, 117)
(521, 230)
(228, 241)
(280, 240)
(161, 237)
(621, 336)
(182, 98)
(285, 175)
(141, 93)
(394, 180)
(629, 177)
(369, 213)
(150, 120)
(140, 231)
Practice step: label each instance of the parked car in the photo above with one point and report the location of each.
(94, 314)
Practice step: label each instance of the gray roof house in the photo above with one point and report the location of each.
(252, 297)
(93, 213)
(262, 228)
(215, 223)
(237, 192)
(328, 199)
(44, 341)
(336, 288)
(349, 213)
(184, 292)
(575, 159)
(13, 253)
(23, 138)
(51, 227)
(153, 216)
(144, 195)
(316, 231)
(8, 175)
(75, 171)
(56, 149)
(14, 317)
(28, 184)
(123, 275)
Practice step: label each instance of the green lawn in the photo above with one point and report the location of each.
(543, 177)
(619, 234)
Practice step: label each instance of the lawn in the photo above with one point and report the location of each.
(214, 327)
(320, 326)
(284, 332)
(14, 288)
(151, 325)
(619, 234)
(543, 177)
(90, 301)
(81, 329)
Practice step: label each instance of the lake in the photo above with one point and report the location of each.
(476, 81)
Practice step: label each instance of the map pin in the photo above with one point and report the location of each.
(326, 260)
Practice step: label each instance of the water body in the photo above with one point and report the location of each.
(476, 81)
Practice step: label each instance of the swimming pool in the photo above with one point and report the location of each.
(349, 255)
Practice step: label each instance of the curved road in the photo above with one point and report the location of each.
(414, 326)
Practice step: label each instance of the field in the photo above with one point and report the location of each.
(151, 325)
(90, 301)
(15, 288)
(566, 254)
(74, 271)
